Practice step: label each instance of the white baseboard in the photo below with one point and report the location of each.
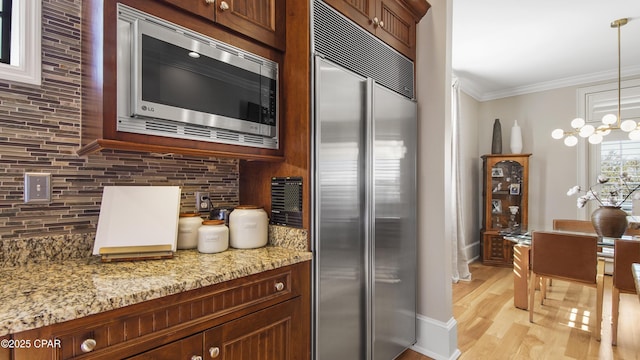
(436, 339)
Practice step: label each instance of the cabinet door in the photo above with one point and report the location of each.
(396, 26)
(188, 348)
(267, 334)
(497, 251)
(359, 11)
(263, 20)
(203, 8)
(389, 20)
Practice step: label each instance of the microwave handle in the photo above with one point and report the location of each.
(136, 63)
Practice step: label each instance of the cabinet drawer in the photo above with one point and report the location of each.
(170, 317)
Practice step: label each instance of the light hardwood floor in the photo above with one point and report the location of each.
(490, 327)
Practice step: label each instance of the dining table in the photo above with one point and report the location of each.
(636, 276)
(521, 236)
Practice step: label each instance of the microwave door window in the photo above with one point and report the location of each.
(171, 77)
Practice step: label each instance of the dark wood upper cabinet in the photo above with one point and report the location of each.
(99, 69)
(392, 21)
(262, 20)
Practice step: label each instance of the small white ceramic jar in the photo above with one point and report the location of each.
(188, 225)
(248, 227)
(213, 237)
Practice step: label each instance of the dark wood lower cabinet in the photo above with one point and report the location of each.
(268, 334)
(496, 250)
(271, 334)
(261, 316)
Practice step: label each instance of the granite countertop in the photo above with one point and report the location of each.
(39, 294)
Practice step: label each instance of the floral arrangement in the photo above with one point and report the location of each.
(614, 193)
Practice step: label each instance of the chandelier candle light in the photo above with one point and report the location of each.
(609, 122)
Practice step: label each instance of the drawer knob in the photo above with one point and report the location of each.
(375, 21)
(209, 1)
(381, 23)
(214, 352)
(279, 286)
(224, 6)
(88, 345)
(196, 357)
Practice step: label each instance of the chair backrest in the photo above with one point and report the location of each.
(569, 256)
(632, 230)
(626, 252)
(574, 225)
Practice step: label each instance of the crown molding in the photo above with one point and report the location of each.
(474, 90)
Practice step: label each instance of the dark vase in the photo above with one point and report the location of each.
(496, 141)
(609, 221)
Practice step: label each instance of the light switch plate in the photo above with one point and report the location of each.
(37, 188)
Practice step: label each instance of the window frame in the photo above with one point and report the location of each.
(588, 154)
(26, 39)
(5, 17)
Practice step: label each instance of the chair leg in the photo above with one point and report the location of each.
(533, 280)
(543, 289)
(600, 296)
(615, 307)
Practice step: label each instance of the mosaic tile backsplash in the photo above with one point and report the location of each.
(40, 132)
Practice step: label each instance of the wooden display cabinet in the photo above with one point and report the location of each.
(505, 199)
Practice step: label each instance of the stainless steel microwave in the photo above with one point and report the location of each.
(178, 83)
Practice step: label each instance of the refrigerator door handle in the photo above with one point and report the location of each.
(369, 214)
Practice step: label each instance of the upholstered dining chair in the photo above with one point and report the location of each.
(632, 231)
(626, 252)
(574, 225)
(584, 226)
(569, 257)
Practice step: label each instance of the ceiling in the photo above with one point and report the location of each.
(503, 48)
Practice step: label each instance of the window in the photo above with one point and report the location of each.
(5, 31)
(616, 154)
(25, 57)
(618, 157)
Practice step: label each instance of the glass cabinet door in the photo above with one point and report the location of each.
(506, 195)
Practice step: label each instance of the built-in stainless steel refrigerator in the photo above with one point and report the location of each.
(364, 216)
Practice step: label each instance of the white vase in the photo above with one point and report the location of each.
(516, 139)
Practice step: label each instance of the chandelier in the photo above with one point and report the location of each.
(610, 122)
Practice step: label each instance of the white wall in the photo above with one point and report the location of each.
(437, 331)
(471, 173)
(553, 166)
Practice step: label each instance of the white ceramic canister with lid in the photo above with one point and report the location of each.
(213, 237)
(248, 227)
(188, 225)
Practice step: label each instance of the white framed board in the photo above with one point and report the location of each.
(135, 220)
